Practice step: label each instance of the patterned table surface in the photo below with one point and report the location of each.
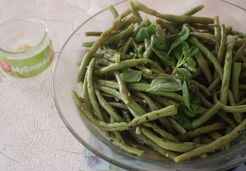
(32, 135)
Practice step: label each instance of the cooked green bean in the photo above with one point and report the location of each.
(203, 130)
(125, 64)
(124, 146)
(97, 44)
(222, 47)
(158, 149)
(201, 87)
(174, 18)
(177, 127)
(135, 12)
(194, 10)
(122, 87)
(166, 25)
(237, 116)
(91, 90)
(208, 54)
(93, 33)
(162, 132)
(235, 81)
(207, 115)
(168, 145)
(213, 145)
(205, 36)
(118, 105)
(227, 72)
(113, 11)
(107, 107)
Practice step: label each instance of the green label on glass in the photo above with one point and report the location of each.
(28, 67)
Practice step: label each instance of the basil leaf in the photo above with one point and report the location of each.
(183, 120)
(181, 37)
(195, 108)
(186, 95)
(184, 73)
(159, 48)
(165, 84)
(131, 76)
(145, 33)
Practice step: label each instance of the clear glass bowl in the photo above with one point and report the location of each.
(65, 80)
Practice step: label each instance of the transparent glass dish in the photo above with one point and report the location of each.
(64, 81)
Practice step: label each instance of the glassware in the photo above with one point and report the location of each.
(64, 81)
(25, 49)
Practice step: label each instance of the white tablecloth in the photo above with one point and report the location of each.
(32, 135)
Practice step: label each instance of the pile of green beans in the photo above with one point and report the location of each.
(202, 111)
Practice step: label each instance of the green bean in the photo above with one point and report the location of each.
(125, 64)
(227, 72)
(177, 127)
(121, 35)
(127, 45)
(204, 67)
(88, 44)
(164, 101)
(205, 36)
(162, 132)
(145, 70)
(217, 30)
(168, 145)
(203, 130)
(97, 44)
(167, 125)
(122, 88)
(237, 116)
(206, 103)
(93, 33)
(113, 11)
(166, 25)
(158, 149)
(118, 105)
(213, 145)
(91, 93)
(194, 10)
(117, 138)
(104, 104)
(131, 19)
(148, 51)
(235, 81)
(149, 101)
(86, 95)
(174, 18)
(240, 51)
(135, 12)
(207, 115)
(214, 84)
(201, 87)
(208, 54)
(232, 109)
(222, 47)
